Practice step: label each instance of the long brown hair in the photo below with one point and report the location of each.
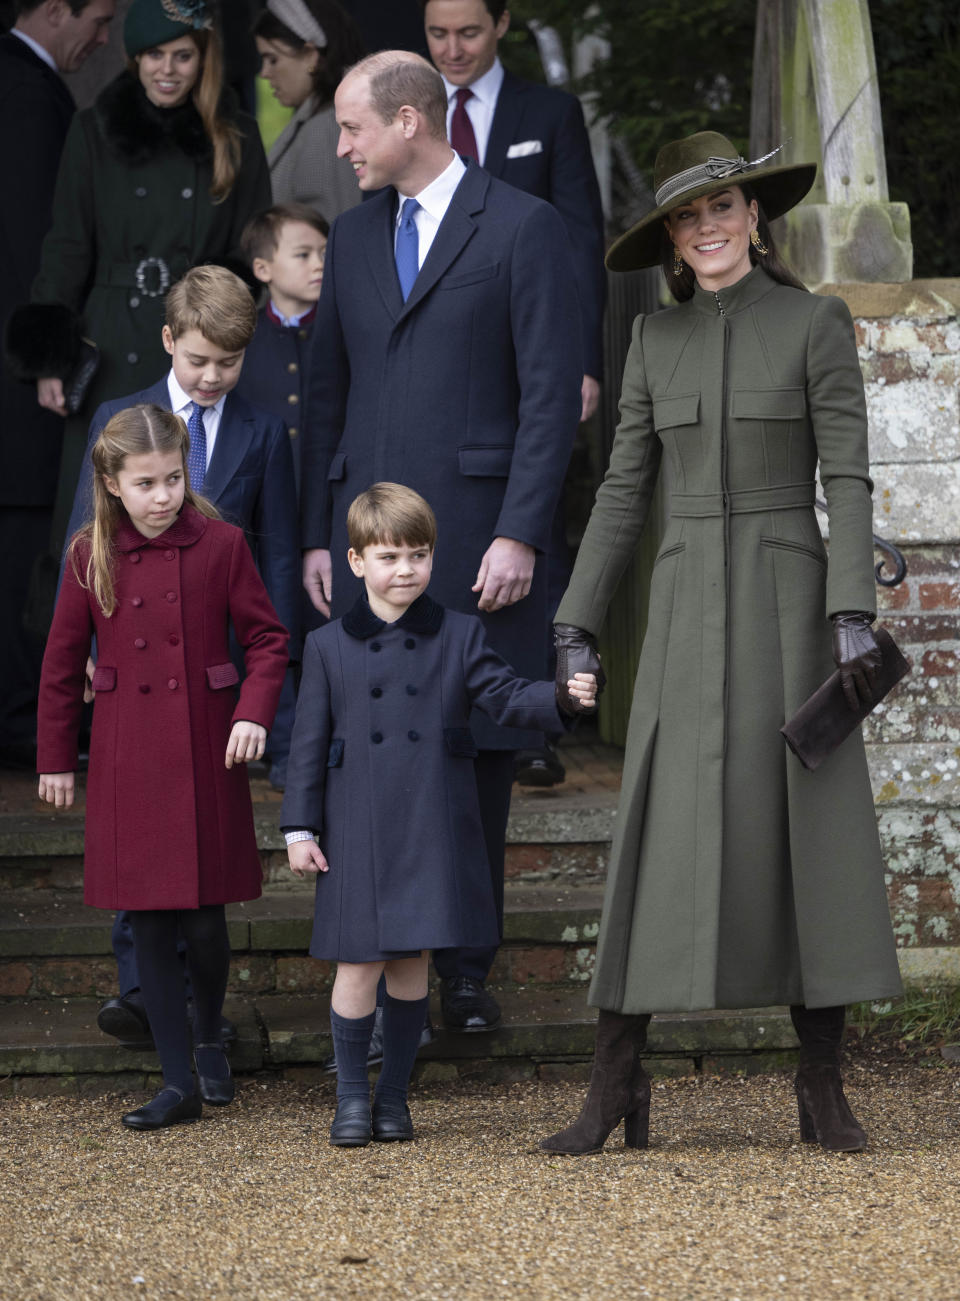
(132, 432)
(682, 285)
(207, 94)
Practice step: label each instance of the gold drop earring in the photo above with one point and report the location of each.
(758, 243)
(678, 263)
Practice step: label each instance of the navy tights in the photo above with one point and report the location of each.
(155, 936)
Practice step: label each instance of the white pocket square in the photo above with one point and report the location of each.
(524, 148)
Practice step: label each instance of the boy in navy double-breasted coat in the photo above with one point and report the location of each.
(381, 772)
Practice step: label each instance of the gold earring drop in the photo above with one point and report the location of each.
(758, 243)
(678, 263)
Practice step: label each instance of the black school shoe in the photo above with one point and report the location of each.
(352, 1125)
(538, 767)
(171, 1106)
(125, 1018)
(391, 1122)
(467, 1007)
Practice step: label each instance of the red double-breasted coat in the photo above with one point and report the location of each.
(167, 825)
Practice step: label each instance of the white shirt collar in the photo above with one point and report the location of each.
(37, 48)
(435, 197)
(486, 88)
(179, 399)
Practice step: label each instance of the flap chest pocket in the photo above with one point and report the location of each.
(335, 753)
(473, 277)
(769, 404)
(681, 409)
(222, 675)
(460, 743)
(104, 678)
(485, 462)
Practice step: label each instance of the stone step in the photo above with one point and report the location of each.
(290, 1034)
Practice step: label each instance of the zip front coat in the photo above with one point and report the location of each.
(167, 824)
(737, 878)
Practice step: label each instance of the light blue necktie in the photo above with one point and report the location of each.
(197, 460)
(407, 251)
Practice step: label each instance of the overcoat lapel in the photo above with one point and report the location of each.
(236, 431)
(380, 212)
(454, 233)
(505, 124)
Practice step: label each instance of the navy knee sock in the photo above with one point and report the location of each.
(402, 1024)
(351, 1046)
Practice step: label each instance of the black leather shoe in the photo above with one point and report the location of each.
(391, 1122)
(538, 767)
(467, 1006)
(352, 1124)
(218, 1090)
(375, 1053)
(169, 1107)
(126, 1019)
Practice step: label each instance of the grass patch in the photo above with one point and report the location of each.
(922, 1017)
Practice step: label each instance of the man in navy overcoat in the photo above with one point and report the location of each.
(466, 387)
(35, 111)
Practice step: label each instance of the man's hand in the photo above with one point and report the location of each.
(318, 578)
(589, 397)
(57, 788)
(306, 858)
(50, 395)
(505, 574)
(247, 742)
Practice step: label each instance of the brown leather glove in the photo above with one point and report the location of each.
(857, 656)
(576, 653)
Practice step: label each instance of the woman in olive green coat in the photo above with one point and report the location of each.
(737, 878)
(158, 176)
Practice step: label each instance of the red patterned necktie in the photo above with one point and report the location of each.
(461, 128)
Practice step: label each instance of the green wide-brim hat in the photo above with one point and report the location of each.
(154, 22)
(686, 169)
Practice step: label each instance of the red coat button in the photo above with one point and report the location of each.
(134, 557)
(169, 555)
(174, 640)
(137, 601)
(140, 643)
(173, 684)
(171, 596)
(144, 689)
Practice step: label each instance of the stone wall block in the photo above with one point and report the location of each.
(303, 975)
(913, 420)
(917, 500)
(252, 973)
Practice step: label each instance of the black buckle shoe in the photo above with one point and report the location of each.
(169, 1107)
(391, 1122)
(125, 1019)
(352, 1125)
(218, 1090)
(467, 1006)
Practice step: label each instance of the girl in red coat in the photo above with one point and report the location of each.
(158, 579)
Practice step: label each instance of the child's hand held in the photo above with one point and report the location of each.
(583, 687)
(247, 742)
(57, 788)
(306, 858)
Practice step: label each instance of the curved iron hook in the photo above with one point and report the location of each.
(890, 552)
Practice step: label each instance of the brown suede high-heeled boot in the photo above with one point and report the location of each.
(825, 1115)
(619, 1090)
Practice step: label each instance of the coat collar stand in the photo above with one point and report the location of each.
(756, 284)
(187, 528)
(424, 616)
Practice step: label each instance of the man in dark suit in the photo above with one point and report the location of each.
(446, 356)
(534, 137)
(35, 111)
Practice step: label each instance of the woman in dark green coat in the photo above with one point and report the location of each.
(158, 176)
(737, 878)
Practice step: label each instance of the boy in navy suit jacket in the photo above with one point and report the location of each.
(285, 248)
(240, 460)
(382, 802)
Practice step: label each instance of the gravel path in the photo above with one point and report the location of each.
(252, 1204)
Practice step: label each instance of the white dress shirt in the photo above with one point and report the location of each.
(434, 201)
(182, 405)
(481, 106)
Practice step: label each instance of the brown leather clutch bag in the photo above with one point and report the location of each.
(823, 721)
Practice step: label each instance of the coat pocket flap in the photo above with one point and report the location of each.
(338, 466)
(222, 675)
(460, 742)
(473, 277)
(485, 462)
(681, 409)
(769, 404)
(104, 678)
(335, 753)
